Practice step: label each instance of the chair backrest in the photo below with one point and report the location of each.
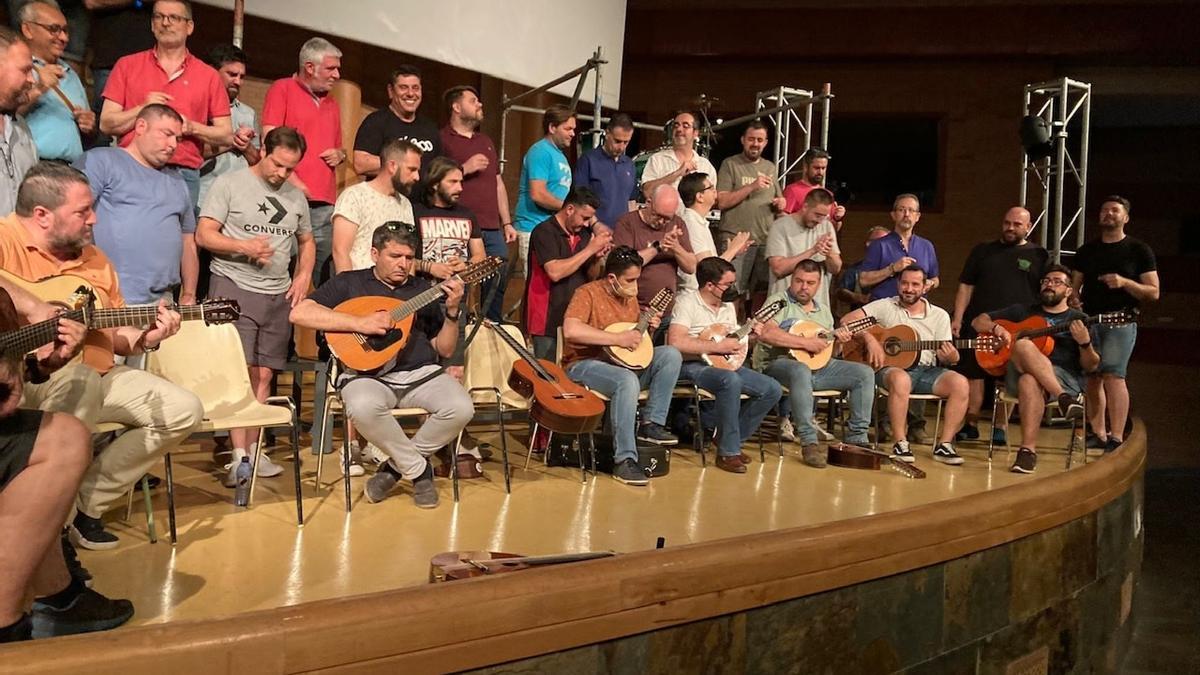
(207, 361)
(487, 363)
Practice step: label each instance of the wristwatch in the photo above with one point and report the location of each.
(455, 317)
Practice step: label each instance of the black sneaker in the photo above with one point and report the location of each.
(1026, 461)
(945, 453)
(629, 473)
(1111, 444)
(74, 567)
(18, 632)
(1070, 406)
(999, 437)
(89, 612)
(90, 533)
(656, 434)
(1095, 442)
(969, 432)
(425, 495)
(901, 452)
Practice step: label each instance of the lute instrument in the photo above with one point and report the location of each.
(1038, 329)
(640, 357)
(901, 348)
(455, 565)
(720, 331)
(811, 329)
(859, 457)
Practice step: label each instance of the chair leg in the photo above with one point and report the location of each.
(346, 461)
(996, 404)
(296, 460)
(937, 422)
(504, 447)
(323, 438)
(258, 449)
(454, 464)
(878, 419)
(698, 437)
(170, 497)
(579, 453)
(320, 400)
(149, 511)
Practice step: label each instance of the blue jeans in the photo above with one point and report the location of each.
(1115, 344)
(545, 346)
(321, 216)
(856, 379)
(622, 385)
(734, 420)
(494, 246)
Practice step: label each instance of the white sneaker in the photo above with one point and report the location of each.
(469, 447)
(373, 454)
(266, 467)
(824, 436)
(356, 468)
(787, 430)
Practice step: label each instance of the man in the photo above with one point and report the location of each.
(303, 103)
(230, 63)
(448, 234)
(397, 121)
(609, 172)
(16, 141)
(57, 109)
(1113, 272)
(484, 193)
(998, 273)
(772, 355)
(145, 220)
(252, 222)
(362, 207)
(699, 196)
(564, 254)
(51, 234)
(804, 235)
(749, 197)
(593, 307)
(370, 398)
(169, 75)
(851, 293)
(1033, 375)
(545, 175)
(928, 375)
(735, 420)
(903, 248)
(661, 238)
(813, 165)
(669, 166)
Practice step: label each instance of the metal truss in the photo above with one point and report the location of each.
(1055, 177)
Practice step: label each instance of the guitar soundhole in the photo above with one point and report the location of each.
(379, 343)
(891, 347)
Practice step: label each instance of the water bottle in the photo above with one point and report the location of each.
(241, 489)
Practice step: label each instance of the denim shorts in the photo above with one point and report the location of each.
(1072, 383)
(923, 377)
(1115, 344)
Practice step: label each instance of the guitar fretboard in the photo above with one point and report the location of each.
(922, 345)
(29, 338)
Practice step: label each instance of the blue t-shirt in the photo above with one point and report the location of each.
(53, 124)
(886, 250)
(544, 161)
(141, 217)
(613, 180)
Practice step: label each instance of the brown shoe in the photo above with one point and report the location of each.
(815, 456)
(731, 464)
(746, 459)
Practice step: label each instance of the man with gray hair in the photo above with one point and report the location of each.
(302, 102)
(16, 78)
(57, 107)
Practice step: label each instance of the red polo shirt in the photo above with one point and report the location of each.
(479, 189)
(290, 104)
(195, 89)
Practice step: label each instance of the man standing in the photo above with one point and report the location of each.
(661, 238)
(813, 165)
(448, 234)
(545, 175)
(609, 172)
(303, 103)
(230, 62)
(1113, 272)
(997, 274)
(253, 221)
(890, 255)
(169, 75)
(397, 121)
(57, 109)
(805, 235)
(564, 254)
(749, 197)
(483, 192)
(668, 166)
(145, 220)
(16, 141)
(699, 196)
(362, 207)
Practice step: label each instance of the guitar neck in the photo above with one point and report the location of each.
(922, 345)
(417, 302)
(644, 320)
(28, 338)
(519, 348)
(1058, 328)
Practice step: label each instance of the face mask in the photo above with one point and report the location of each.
(624, 290)
(731, 294)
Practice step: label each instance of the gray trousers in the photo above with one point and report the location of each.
(369, 403)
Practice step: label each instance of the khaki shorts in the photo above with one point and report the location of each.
(263, 325)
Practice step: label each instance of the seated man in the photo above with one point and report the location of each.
(51, 234)
(1032, 374)
(595, 305)
(772, 356)
(926, 376)
(370, 397)
(734, 419)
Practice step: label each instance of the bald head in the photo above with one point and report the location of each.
(664, 201)
(1016, 226)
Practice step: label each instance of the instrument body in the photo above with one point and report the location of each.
(719, 331)
(901, 348)
(456, 565)
(811, 329)
(639, 358)
(1037, 329)
(858, 457)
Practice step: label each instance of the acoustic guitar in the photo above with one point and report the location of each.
(811, 329)
(858, 457)
(901, 346)
(559, 403)
(455, 565)
(366, 353)
(720, 331)
(640, 357)
(1039, 330)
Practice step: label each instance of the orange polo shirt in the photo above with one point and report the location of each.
(21, 257)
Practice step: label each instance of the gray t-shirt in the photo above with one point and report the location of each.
(246, 206)
(241, 115)
(790, 237)
(753, 214)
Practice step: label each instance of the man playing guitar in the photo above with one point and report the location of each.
(772, 356)
(370, 397)
(595, 305)
(928, 375)
(734, 419)
(1032, 374)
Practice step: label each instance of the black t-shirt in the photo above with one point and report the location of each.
(418, 351)
(1066, 350)
(546, 300)
(119, 32)
(1003, 275)
(1131, 258)
(382, 126)
(445, 233)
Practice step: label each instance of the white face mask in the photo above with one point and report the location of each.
(624, 290)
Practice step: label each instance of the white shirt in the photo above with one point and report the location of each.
(366, 207)
(663, 162)
(691, 311)
(702, 240)
(932, 324)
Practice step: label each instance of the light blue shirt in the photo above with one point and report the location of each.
(241, 115)
(544, 161)
(53, 123)
(141, 217)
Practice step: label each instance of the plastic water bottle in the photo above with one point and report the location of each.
(241, 490)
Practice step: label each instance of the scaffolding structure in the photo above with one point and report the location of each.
(1058, 102)
(789, 112)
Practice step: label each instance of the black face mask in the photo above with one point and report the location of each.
(731, 294)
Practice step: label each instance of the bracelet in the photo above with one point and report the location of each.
(146, 349)
(455, 317)
(1086, 345)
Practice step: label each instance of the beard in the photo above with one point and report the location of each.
(1051, 297)
(910, 299)
(447, 198)
(68, 248)
(399, 185)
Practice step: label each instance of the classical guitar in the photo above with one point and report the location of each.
(371, 352)
(901, 346)
(812, 329)
(640, 357)
(858, 457)
(1039, 330)
(455, 565)
(720, 331)
(559, 403)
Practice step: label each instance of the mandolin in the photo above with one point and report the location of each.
(720, 331)
(809, 329)
(639, 358)
(366, 353)
(858, 457)
(455, 565)
(559, 403)
(1039, 330)
(901, 348)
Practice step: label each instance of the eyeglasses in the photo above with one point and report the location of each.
(1053, 282)
(905, 209)
(51, 28)
(170, 19)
